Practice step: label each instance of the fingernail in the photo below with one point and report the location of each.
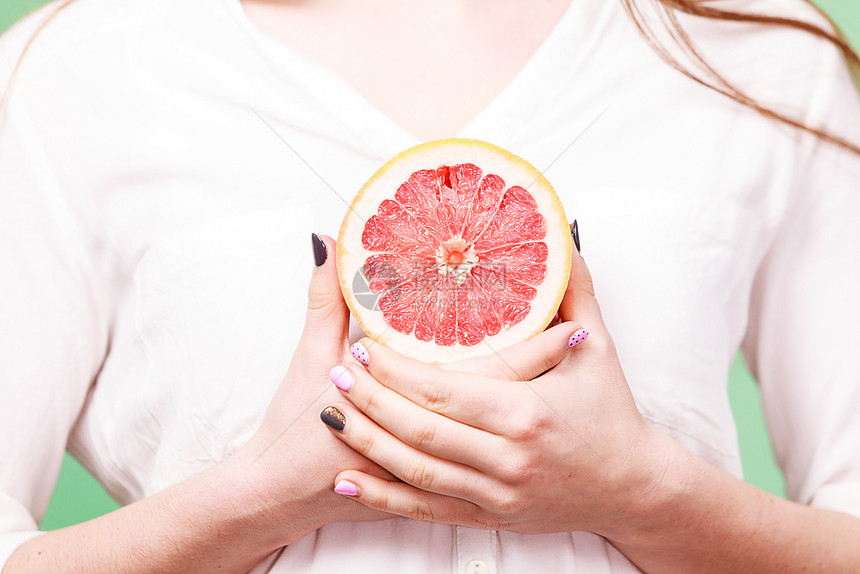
(333, 418)
(574, 232)
(341, 377)
(346, 488)
(579, 336)
(320, 251)
(360, 353)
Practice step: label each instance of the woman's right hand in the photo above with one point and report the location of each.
(271, 492)
(290, 462)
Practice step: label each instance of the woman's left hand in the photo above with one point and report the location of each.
(538, 438)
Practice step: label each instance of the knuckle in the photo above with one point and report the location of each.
(421, 510)
(520, 431)
(549, 360)
(418, 474)
(370, 402)
(528, 423)
(320, 312)
(385, 502)
(423, 436)
(507, 502)
(364, 443)
(505, 371)
(516, 468)
(435, 396)
(601, 342)
(385, 370)
(489, 521)
(320, 301)
(586, 283)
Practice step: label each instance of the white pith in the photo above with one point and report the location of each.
(491, 159)
(456, 256)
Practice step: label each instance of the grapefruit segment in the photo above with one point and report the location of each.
(465, 246)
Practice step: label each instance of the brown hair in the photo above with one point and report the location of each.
(712, 79)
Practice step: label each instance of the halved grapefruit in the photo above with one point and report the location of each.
(454, 248)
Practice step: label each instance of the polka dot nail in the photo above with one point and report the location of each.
(575, 339)
(360, 353)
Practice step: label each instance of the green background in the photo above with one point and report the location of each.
(79, 497)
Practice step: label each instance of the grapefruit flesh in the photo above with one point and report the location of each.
(460, 248)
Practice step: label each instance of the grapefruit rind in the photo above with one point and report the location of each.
(351, 254)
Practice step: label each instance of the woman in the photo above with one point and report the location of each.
(163, 163)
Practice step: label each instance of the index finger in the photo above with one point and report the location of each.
(469, 398)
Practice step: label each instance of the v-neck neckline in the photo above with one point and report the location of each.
(566, 45)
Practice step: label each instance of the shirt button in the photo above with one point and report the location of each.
(477, 567)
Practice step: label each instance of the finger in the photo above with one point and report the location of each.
(579, 300)
(526, 360)
(469, 398)
(412, 466)
(405, 500)
(327, 317)
(420, 428)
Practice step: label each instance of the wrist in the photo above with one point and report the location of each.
(266, 501)
(653, 488)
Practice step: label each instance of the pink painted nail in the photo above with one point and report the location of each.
(360, 353)
(341, 377)
(346, 488)
(579, 336)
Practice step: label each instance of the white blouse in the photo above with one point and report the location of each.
(163, 163)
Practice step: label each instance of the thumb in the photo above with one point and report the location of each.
(327, 318)
(579, 302)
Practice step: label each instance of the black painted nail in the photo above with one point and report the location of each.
(320, 251)
(574, 232)
(333, 418)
